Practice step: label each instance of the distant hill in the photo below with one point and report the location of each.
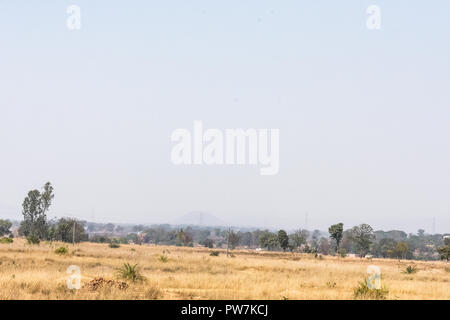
(199, 218)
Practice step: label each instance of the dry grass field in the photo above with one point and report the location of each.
(37, 272)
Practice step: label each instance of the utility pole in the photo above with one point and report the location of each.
(73, 234)
(228, 241)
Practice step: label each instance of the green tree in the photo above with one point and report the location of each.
(444, 251)
(5, 225)
(232, 239)
(386, 248)
(336, 232)
(268, 240)
(297, 238)
(35, 206)
(283, 239)
(363, 236)
(68, 230)
(401, 250)
(184, 237)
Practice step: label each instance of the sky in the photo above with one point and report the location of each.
(363, 114)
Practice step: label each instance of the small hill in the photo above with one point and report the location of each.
(199, 218)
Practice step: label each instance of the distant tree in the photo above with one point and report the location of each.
(421, 233)
(297, 239)
(209, 243)
(444, 251)
(110, 227)
(184, 237)
(283, 239)
(315, 240)
(245, 238)
(138, 228)
(35, 205)
(68, 230)
(401, 250)
(324, 246)
(268, 240)
(386, 248)
(5, 225)
(336, 232)
(363, 236)
(232, 239)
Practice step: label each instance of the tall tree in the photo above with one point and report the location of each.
(363, 236)
(336, 232)
(444, 251)
(35, 206)
(283, 239)
(232, 239)
(298, 238)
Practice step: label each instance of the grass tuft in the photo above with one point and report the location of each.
(410, 269)
(363, 292)
(163, 258)
(130, 272)
(62, 250)
(6, 240)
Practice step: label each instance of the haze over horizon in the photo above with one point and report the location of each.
(363, 115)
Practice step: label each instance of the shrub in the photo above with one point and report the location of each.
(114, 243)
(342, 253)
(410, 269)
(447, 269)
(214, 253)
(362, 291)
(6, 240)
(163, 258)
(130, 272)
(62, 250)
(33, 239)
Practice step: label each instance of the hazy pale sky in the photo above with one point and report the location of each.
(363, 114)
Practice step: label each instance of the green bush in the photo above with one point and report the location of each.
(62, 250)
(410, 269)
(130, 272)
(163, 258)
(33, 239)
(6, 240)
(214, 253)
(362, 291)
(342, 253)
(114, 243)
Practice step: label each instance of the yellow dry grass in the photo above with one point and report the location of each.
(37, 272)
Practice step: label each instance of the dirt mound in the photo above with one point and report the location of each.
(100, 282)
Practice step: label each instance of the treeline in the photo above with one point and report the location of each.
(360, 240)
